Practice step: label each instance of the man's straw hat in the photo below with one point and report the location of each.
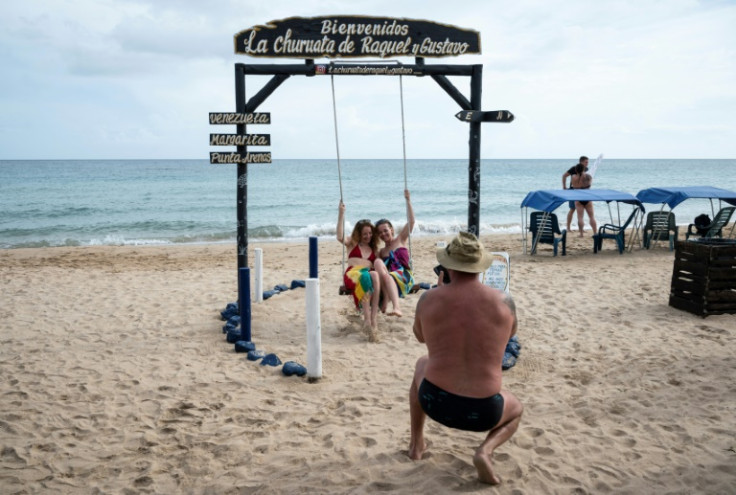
(465, 254)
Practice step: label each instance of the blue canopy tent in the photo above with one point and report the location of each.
(549, 200)
(673, 196)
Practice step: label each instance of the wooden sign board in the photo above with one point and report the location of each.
(240, 158)
(239, 118)
(240, 140)
(354, 37)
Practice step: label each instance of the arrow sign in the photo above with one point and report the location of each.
(478, 116)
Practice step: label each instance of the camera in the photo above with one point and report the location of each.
(446, 276)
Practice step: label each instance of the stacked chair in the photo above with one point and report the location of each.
(546, 230)
(660, 226)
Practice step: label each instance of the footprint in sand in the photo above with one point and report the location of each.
(544, 451)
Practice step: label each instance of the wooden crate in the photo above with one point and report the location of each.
(704, 277)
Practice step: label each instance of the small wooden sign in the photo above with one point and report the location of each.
(240, 118)
(355, 36)
(503, 116)
(240, 158)
(240, 139)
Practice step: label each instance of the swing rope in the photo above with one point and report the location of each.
(403, 144)
(339, 170)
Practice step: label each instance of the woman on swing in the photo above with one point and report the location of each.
(360, 277)
(395, 271)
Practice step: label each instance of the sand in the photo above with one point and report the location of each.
(116, 378)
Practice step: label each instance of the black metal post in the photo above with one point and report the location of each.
(474, 158)
(242, 185)
(451, 90)
(265, 92)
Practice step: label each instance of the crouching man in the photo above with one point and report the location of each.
(465, 325)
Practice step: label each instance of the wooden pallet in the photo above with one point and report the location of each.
(704, 277)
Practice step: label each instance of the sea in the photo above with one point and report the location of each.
(153, 202)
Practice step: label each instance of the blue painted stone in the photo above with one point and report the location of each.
(513, 346)
(244, 346)
(270, 360)
(230, 310)
(511, 354)
(509, 360)
(232, 323)
(293, 368)
(298, 283)
(255, 355)
(234, 335)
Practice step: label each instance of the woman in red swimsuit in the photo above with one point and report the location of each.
(360, 277)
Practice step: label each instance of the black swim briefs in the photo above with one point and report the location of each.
(456, 411)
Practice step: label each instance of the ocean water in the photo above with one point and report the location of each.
(136, 202)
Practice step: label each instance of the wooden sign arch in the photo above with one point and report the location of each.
(339, 37)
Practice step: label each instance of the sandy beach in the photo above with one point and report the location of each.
(116, 378)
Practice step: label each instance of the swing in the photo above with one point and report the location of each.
(343, 290)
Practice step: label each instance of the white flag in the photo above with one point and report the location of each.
(594, 167)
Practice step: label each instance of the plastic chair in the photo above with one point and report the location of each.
(616, 232)
(714, 229)
(660, 226)
(544, 226)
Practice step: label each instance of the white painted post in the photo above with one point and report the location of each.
(259, 275)
(314, 331)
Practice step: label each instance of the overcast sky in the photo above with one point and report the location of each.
(99, 79)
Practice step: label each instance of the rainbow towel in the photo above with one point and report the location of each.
(404, 280)
(397, 263)
(358, 280)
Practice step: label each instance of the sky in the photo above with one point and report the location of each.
(120, 79)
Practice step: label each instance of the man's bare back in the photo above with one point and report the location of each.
(466, 326)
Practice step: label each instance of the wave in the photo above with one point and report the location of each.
(26, 213)
(421, 229)
(150, 236)
(39, 244)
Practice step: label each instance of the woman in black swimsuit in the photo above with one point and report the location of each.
(571, 172)
(583, 180)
